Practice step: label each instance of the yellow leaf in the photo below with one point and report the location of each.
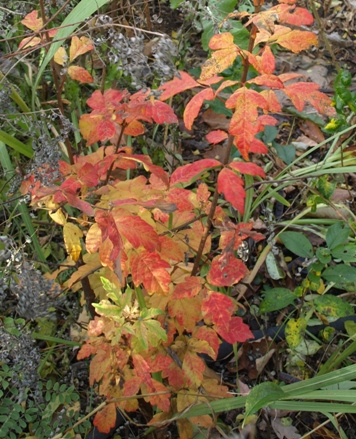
(61, 57)
(58, 217)
(295, 329)
(72, 235)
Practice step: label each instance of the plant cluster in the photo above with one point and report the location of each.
(144, 244)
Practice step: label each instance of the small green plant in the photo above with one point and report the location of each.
(27, 405)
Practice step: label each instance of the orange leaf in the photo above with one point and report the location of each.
(226, 270)
(151, 271)
(235, 331)
(193, 367)
(274, 105)
(265, 64)
(219, 61)
(32, 21)
(136, 230)
(217, 308)
(177, 85)
(186, 312)
(105, 420)
(187, 173)
(271, 81)
(80, 74)
(298, 93)
(246, 101)
(216, 136)
(185, 429)
(79, 46)
(100, 364)
(231, 186)
(190, 287)
(29, 42)
(209, 335)
(296, 40)
(221, 41)
(192, 109)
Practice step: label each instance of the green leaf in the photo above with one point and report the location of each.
(273, 268)
(285, 152)
(342, 275)
(345, 252)
(16, 144)
(295, 329)
(261, 395)
(269, 134)
(175, 3)
(148, 333)
(297, 243)
(325, 187)
(332, 306)
(337, 234)
(323, 255)
(277, 298)
(150, 313)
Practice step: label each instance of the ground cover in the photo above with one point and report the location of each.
(178, 219)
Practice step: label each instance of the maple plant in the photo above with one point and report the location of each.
(142, 244)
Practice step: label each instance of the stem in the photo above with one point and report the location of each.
(226, 159)
(123, 126)
(59, 88)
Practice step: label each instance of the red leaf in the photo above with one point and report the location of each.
(177, 85)
(187, 173)
(80, 74)
(192, 109)
(105, 130)
(151, 271)
(231, 186)
(226, 270)
(247, 168)
(105, 420)
(292, 15)
(265, 64)
(217, 308)
(76, 202)
(190, 287)
(236, 331)
(149, 110)
(216, 136)
(258, 147)
(110, 100)
(149, 166)
(109, 229)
